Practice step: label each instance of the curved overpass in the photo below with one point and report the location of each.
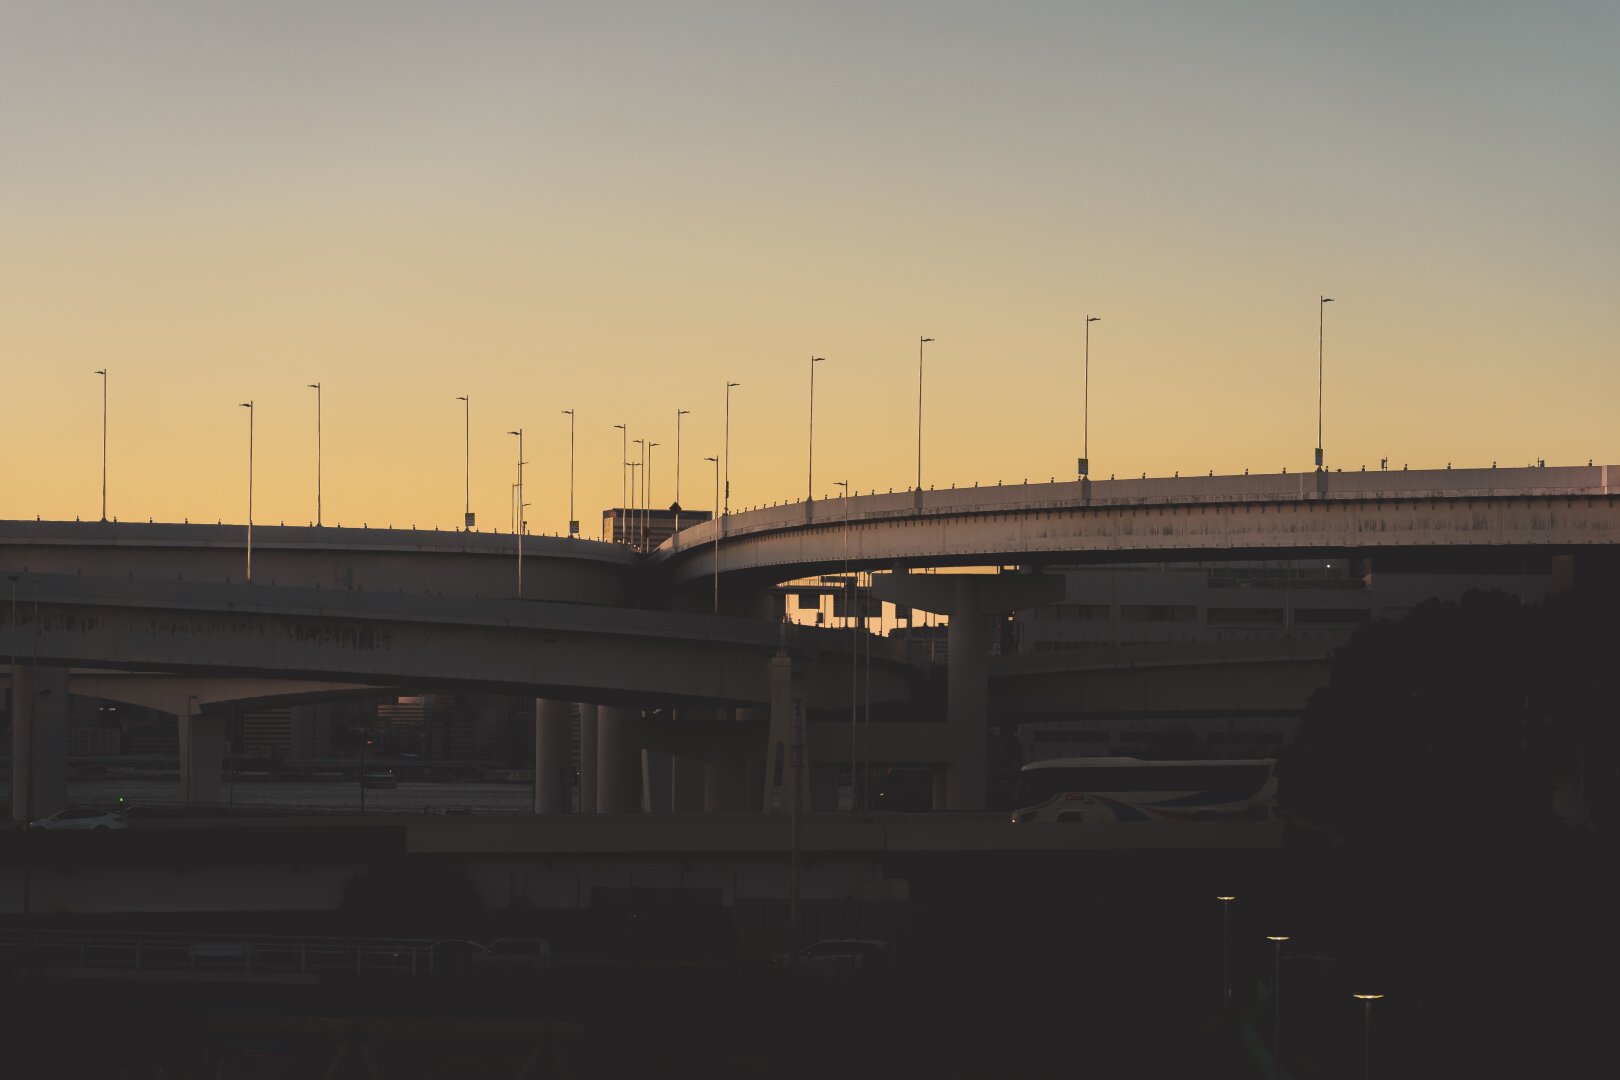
(1178, 518)
(425, 562)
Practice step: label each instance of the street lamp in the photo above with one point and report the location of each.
(678, 414)
(1366, 1045)
(1276, 1007)
(716, 523)
(573, 523)
(726, 506)
(103, 373)
(1321, 308)
(810, 487)
(1085, 407)
(921, 341)
(521, 505)
(624, 473)
(315, 386)
(248, 405)
(467, 518)
(1226, 968)
(854, 644)
(636, 492)
(647, 497)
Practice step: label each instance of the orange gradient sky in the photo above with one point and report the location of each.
(616, 210)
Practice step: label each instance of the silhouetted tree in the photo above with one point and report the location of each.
(1458, 720)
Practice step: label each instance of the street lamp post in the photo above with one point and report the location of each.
(1226, 967)
(573, 523)
(467, 518)
(853, 596)
(624, 473)
(315, 386)
(716, 523)
(103, 373)
(1276, 1007)
(637, 495)
(647, 497)
(520, 508)
(725, 508)
(678, 414)
(810, 477)
(1321, 309)
(1366, 1044)
(1085, 407)
(248, 405)
(921, 341)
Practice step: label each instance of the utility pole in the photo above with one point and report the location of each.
(315, 386)
(103, 373)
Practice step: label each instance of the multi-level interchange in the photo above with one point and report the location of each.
(159, 615)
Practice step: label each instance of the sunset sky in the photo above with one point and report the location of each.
(616, 208)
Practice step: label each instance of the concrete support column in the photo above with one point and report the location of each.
(967, 710)
(786, 746)
(202, 753)
(553, 723)
(618, 761)
(39, 708)
(655, 781)
(587, 759)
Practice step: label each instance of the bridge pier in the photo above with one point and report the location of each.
(39, 708)
(969, 600)
(618, 761)
(786, 745)
(553, 723)
(587, 759)
(202, 756)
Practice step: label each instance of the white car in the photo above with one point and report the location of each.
(841, 958)
(80, 817)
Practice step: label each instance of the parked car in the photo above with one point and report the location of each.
(80, 817)
(841, 958)
(513, 954)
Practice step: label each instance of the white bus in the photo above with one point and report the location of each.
(1098, 790)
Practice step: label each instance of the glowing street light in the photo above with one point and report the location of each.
(1366, 1047)
(1226, 967)
(1276, 1005)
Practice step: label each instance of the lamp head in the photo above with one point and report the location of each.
(683, 412)
(817, 359)
(568, 412)
(1278, 938)
(1226, 899)
(314, 385)
(729, 385)
(247, 404)
(1326, 299)
(1366, 997)
(926, 339)
(518, 433)
(101, 371)
(713, 459)
(1093, 318)
(461, 397)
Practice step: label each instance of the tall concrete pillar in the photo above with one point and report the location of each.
(39, 709)
(787, 745)
(553, 772)
(618, 761)
(967, 708)
(587, 759)
(202, 754)
(969, 600)
(655, 781)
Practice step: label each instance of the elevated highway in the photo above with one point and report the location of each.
(1284, 515)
